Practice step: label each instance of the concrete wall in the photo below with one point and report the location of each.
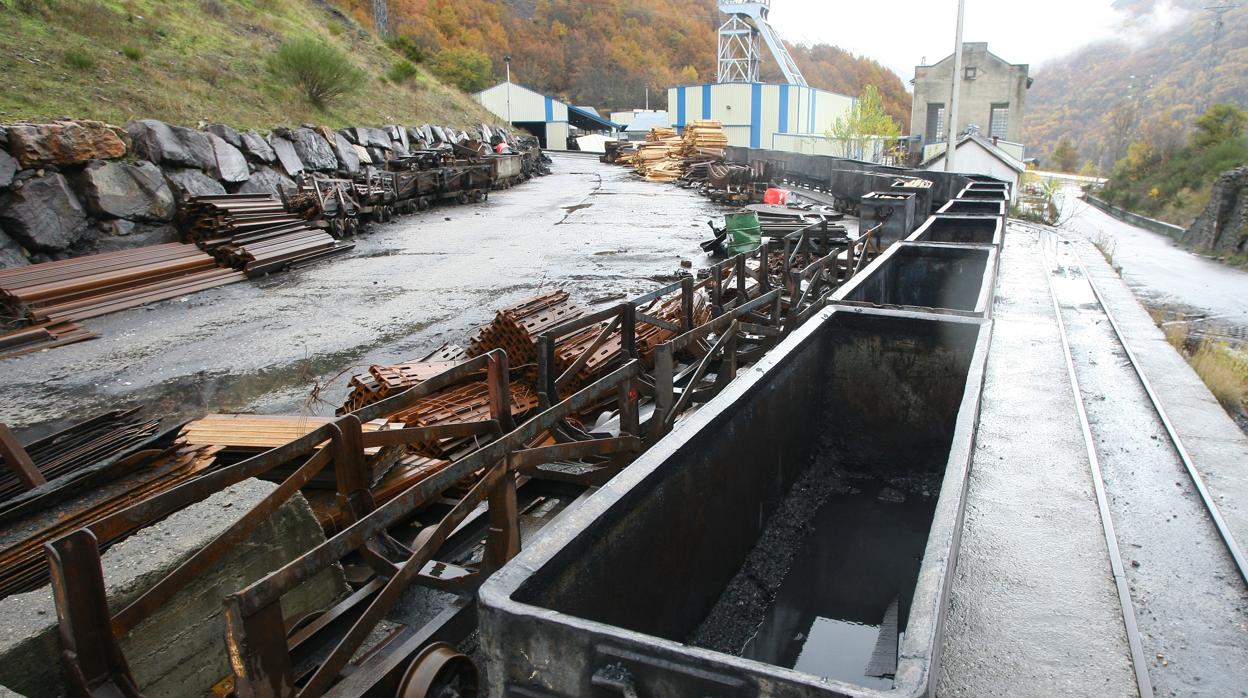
(180, 650)
(996, 82)
(755, 114)
(1160, 227)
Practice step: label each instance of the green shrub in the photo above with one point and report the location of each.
(336, 29)
(79, 60)
(320, 71)
(408, 47)
(133, 53)
(466, 68)
(401, 71)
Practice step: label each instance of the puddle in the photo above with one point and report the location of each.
(841, 610)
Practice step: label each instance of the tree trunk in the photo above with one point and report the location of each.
(381, 18)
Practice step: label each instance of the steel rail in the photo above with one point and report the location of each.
(1138, 661)
(1211, 507)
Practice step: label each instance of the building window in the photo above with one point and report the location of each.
(935, 122)
(970, 72)
(1000, 122)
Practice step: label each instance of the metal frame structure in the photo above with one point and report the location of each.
(740, 54)
(310, 658)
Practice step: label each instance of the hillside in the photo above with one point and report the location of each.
(185, 61)
(1092, 98)
(606, 54)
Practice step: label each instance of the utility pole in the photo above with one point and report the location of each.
(507, 62)
(952, 128)
(1218, 23)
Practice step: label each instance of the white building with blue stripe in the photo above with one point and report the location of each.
(786, 117)
(541, 115)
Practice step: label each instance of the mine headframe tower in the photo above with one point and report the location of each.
(740, 43)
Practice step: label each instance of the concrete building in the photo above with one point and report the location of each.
(979, 155)
(992, 97)
(791, 118)
(551, 120)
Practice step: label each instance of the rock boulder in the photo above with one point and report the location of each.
(256, 147)
(343, 150)
(266, 180)
(129, 235)
(286, 154)
(1222, 228)
(65, 142)
(122, 190)
(314, 151)
(11, 254)
(165, 144)
(8, 168)
(226, 134)
(187, 182)
(231, 166)
(43, 214)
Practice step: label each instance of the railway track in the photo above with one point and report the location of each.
(1180, 574)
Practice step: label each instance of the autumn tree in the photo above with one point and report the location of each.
(866, 119)
(1065, 157)
(468, 69)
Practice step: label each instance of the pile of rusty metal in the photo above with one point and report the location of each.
(85, 287)
(44, 335)
(514, 329)
(256, 233)
(66, 452)
(89, 472)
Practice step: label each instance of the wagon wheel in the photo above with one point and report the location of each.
(439, 671)
(463, 197)
(479, 196)
(422, 204)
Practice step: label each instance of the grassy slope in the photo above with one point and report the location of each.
(202, 60)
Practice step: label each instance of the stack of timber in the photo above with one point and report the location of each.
(86, 287)
(255, 233)
(74, 448)
(666, 156)
(658, 158)
(704, 139)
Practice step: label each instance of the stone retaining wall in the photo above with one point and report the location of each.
(73, 187)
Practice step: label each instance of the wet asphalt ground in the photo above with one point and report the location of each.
(1165, 276)
(288, 343)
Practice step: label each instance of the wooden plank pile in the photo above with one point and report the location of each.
(666, 156)
(86, 287)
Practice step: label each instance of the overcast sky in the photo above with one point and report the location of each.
(1016, 30)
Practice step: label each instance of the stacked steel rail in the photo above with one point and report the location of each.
(86, 287)
(255, 233)
(45, 335)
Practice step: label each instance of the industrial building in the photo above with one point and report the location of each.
(550, 119)
(992, 96)
(979, 155)
(785, 117)
(792, 116)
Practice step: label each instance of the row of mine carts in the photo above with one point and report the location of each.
(461, 173)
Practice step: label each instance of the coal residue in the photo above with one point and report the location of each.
(841, 548)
